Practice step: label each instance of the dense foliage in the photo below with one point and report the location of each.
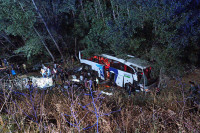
(163, 32)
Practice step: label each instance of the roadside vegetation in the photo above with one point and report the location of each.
(72, 110)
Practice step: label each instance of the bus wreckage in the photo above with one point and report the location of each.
(132, 71)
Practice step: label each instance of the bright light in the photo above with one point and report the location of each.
(106, 93)
(75, 80)
(42, 82)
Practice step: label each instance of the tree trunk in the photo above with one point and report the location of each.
(101, 10)
(67, 46)
(40, 15)
(2, 43)
(96, 9)
(113, 11)
(128, 12)
(118, 11)
(40, 38)
(7, 39)
(75, 40)
(160, 77)
(45, 45)
(83, 10)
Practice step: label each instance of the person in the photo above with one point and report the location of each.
(1, 63)
(85, 82)
(85, 74)
(24, 66)
(157, 90)
(48, 72)
(62, 77)
(72, 59)
(97, 83)
(12, 65)
(90, 83)
(30, 85)
(54, 72)
(18, 69)
(193, 96)
(54, 79)
(66, 85)
(55, 65)
(59, 69)
(129, 88)
(193, 89)
(81, 78)
(5, 62)
(8, 73)
(44, 67)
(43, 73)
(66, 75)
(13, 72)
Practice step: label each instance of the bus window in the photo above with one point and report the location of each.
(143, 80)
(107, 63)
(100, 60)
(147, 72)
(112, 64)
(144, 76)
(125, 68)
(115, 64)
(83, 56)
(95, 59)
(139, 74)
(121, 66)
(129, 70)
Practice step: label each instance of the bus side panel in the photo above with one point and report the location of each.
(135, 77)
(128, 78)
(84, 61)
(93, 66)
(120, 79)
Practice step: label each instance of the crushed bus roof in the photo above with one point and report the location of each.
(138, 62)
(130, 61)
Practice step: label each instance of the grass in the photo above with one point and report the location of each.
(63, 111)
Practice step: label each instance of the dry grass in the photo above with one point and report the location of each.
(65, 111)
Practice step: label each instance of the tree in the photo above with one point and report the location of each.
(141, 28)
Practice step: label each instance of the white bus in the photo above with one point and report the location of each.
(123, 72)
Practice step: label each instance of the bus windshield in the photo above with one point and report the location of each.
(144, 76)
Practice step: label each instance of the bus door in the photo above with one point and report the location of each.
(129, 74)
(113, 74)
(142, 78)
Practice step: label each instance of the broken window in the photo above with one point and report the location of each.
(128, 69)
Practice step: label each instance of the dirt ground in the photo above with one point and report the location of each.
(192, 76)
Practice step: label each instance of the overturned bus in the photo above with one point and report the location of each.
(132, 71)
